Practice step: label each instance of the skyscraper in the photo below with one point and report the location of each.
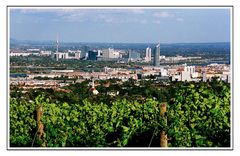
(148, 54)
(156, 61)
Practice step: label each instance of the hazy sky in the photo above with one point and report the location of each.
(143, 25)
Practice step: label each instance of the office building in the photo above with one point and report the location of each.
(108, 53)
(148, 54)
(92, 55)
(156, 61)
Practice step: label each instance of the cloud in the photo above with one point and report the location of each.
(37, 10)
(72, 16)
(137, 11)
(104, 15)
(101, 15)
(166, 15)
(163, 14)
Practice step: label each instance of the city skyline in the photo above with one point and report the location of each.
(122, 25)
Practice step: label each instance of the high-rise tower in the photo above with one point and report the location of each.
(156, 60)
(148, 54)
(57, 55)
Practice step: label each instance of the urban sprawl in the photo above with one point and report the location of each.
(156, 70)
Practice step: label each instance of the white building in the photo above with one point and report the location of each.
(77, 55)
(190, 69)
(33, 50)
(185, 76)
(99, 53)
(226, 76)
(107, 53)
(148, 54)
(188, 73)
(20, 54)
(61, 55)
(163, 72)
(110, 54)
(45, 53)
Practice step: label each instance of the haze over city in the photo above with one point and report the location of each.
(124, 25)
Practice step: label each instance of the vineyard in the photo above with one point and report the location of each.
(198, 115)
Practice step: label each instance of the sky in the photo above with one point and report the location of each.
(121, 25)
